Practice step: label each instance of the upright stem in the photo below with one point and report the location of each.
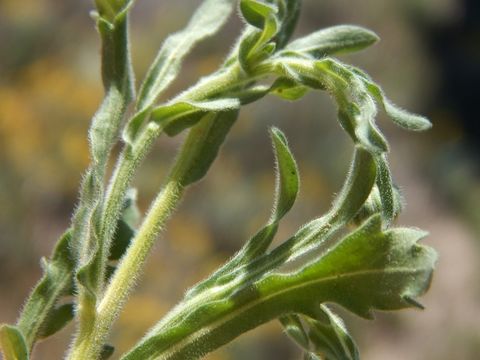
(89, 345)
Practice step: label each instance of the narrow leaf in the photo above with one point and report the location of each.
(287, 183)
(286, 190)
(295, 329)
(205, 22)
(57, 319)
(179, 116)
(399, 116)
(125, 230)
(330, 337)
(107, 352)
(289, 16)
(203, 143)
(406, 119)
(256, 12)
(322, 337)
(12, 343)
(334, 40)
(56, 281)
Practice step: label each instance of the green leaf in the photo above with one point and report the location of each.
(256, 12)
(391, 204)
(296, 330)
(117, 75)
(205, 22)
(324, 337)
(288, 89)
(288, 182)
(256, 45)
(107, 352)
(330, 337)
(202, 145)
(111, 10)
(399, 116)
(12, 343)
(356, 189)
(125, 230)
(56, 281)
(286, 191)
(57, 319)
(333, 40)
(179, 116)
(289, 11)
(369, 269)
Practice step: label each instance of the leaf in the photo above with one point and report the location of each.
(13, 343)
(289, 11)
(202, 145)
(368, 269)
(324, 337)
(111, 10)
(399, 116)
(333, 40)
(256, 12)
(287, 180)
(288, 89)
(356, 189)
(330, 338)
(56, 281)
(255, 45)
(406, 119)
(125, 230)
(286, 191)
(295, 329)
(391, 204)
(56, 320)
(205, 22)
(179, 116)
(107, 352)
(117, 75)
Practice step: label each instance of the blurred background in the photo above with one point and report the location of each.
(428, 61)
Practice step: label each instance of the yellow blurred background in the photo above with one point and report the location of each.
(428, 61)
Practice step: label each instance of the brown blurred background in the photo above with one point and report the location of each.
(428, 61)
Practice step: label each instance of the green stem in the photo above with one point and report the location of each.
(127, 164)
(131, 265)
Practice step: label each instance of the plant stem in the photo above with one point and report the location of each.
(128, 271)
(88, 346)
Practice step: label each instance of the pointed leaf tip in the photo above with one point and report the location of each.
(288, 182)
(406, 119)
(334, 40)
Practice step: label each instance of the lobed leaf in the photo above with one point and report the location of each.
(369, 269)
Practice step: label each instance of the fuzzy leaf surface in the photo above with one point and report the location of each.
(12, 343)
(333, 40)
(369, 269)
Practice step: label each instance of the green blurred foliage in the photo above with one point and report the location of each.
(50, 87)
